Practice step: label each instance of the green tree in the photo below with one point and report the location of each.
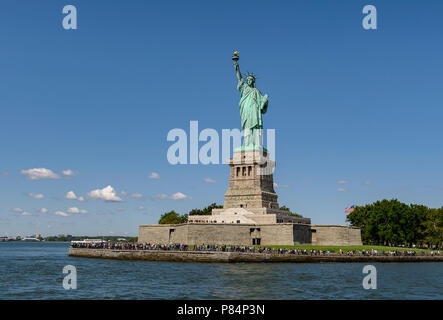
(205, 211)
(184, 218)
(170, 217)
(433, 227)
(173, 217)
(421, 215)
(387, 222)
(391, 222)
(285, 208)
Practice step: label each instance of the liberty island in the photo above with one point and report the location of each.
(251, 214)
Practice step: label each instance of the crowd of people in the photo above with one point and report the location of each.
(250, 249)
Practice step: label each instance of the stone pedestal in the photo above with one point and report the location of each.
(250, 198)
(251, 183)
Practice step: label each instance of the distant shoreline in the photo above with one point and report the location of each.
(229, 257)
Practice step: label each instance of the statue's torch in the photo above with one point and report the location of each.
(235, 56)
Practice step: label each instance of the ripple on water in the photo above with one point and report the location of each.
(34, 271)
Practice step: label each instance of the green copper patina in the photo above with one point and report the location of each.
(252, 105)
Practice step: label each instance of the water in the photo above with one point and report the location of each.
(34, 271)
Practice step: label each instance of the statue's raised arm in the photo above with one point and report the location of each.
(236, 66)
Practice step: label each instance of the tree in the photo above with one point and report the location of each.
(421, 214)
(205, 211)
(391, 222)
(184, 218)
(170, 217)
(173, 217)
(433, 227)
(290, 213)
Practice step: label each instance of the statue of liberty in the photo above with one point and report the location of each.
(252, 105)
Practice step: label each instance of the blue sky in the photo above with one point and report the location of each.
(357, 113)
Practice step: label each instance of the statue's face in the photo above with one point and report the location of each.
(250, 81)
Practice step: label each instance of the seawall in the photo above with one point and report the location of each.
(244, 234)
(215, 256)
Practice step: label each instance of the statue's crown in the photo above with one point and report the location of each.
(251, 75)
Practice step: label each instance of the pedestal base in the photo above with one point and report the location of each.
(251, 183)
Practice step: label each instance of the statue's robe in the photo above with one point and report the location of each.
(252, 105)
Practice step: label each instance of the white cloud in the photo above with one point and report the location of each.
(40, 173)
(107, 194)
(21, 211)
(124, 193)
(36, 196)
(342, 181)
(342, 190)
(77, 210)
(72, 196)
(137, 196)
(61, 213)
(209, 180)
(73, 210)
(179, 196)
(68, 173)
(141, 208)
(154, 175)
(43, 210)
(175, 196)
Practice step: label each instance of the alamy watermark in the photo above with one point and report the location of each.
(369, 281)
(70, 20)
(186, 148)
(70, 280)
(369, 21)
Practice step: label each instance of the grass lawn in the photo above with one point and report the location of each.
(348, 248)
(336, 249)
